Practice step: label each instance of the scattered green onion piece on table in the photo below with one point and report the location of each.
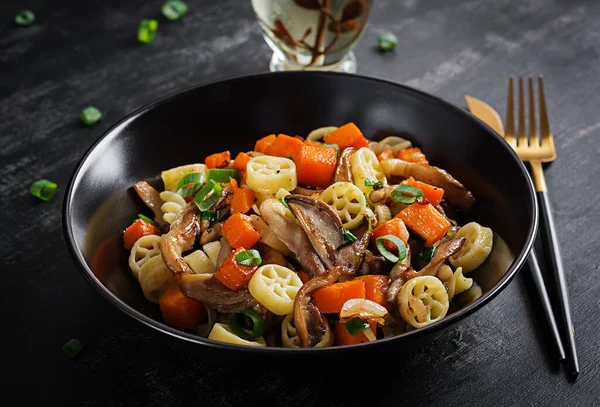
(406, 194)
(202, 202)
(147, 31)
(174, 9)
(349, 237)
(73, 347)
(370, 183)
(43, 189)
(145, 218)
(222, 174)
(427, 252)
(336, 146)
(90, 115)
(387, 42)
(25, 17)
(190, 183)
(249, 258)
(356, 325)
(380, 243)
(211, 216)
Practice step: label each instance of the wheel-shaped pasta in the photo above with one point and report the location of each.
(477, 247)
(268, 174)
(173, 203)
(318, 134)
(145, 248)
(222, 333)
(382, 213)
(458, 283)
(200, 263)
(365, 165)
(422, 301)
(212, 250)
(172, 177)
(348, 201)
(155, 278)
(393, 142)
(290, 338)
(275, 287)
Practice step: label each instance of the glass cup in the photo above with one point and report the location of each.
(312, 34)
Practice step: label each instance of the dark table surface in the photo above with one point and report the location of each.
(81, 53)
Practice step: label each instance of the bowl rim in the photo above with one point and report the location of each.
(160, 326)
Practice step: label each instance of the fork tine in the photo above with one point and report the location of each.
(522, 141)
(544, 126)
(510, 118)
(533, 136)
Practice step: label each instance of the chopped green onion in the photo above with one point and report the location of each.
(284, 203)
(90, 115)
(380, 243)
(211, 216)
(205, 204)
(370, 183)
(427, 253)
(222, 174)
(145, 218)
(249, 258)
(349, 237)
(258, 327)
(406, 194)
(25, 17)
(73, 347)
(336, 146)
(190, 183)
(174, 9)
(289, 157)
(147, 31)
(387, 42)
(43, 189)
(356, 325)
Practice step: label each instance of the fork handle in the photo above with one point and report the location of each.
(555, 266)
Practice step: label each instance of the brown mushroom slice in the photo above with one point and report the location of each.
(310, 324)
(352, 256)
(224, 252)
(321, 224)
(180, 238)
(343, 171)
(454, 191)
(211, 233)
(271, 256)
(151, 198)
(291, 234)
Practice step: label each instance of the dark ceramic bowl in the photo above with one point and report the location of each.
(231, 115)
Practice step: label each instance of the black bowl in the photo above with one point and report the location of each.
(231, 115)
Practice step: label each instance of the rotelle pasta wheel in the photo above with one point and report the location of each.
(476, 249)
(290, 338)
(348, 201)
(268, 174)
(222, 333)
(365, 165)
(422, 301)
(458, 283)
(173, 176)
(275, 287)
(173, 203)
(145, 248)
(155, 278)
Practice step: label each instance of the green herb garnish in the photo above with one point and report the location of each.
(401, 247)
(387, 42)
(211, 216)
(90, 115)
(406, 194)
(356, 325)
(222, 175)
(147, 30)
(43, 189)
(73, 347)
(208, 196)
(190, 183)
(145, 218)
(25, 17)
(349, 237)
(174, 9)
(426, 253)
(249, 258)
(258, 326)
(370, 183)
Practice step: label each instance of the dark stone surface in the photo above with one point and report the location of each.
(81, 53)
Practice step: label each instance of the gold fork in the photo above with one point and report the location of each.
(537, 149)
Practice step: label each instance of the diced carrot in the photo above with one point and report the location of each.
(343, 337)
(304, 276)
(375, 288)
(347, 136)
(241, 160)
(232, 274)
(136, 230)
(180, 311)
(315, 166)
(414, 155)
(394, 227)
(239, 232)
(242, 201)
(432, 194)
(386, 154)
(426, 221)
(217, 160)
(263, 143)
(284, 146)
(331, 298)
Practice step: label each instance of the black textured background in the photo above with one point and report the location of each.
(81, 53)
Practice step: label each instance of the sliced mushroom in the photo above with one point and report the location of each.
(211, 234)
(343, 171)
(291, 234)
(310, 324)
(271, 256)
(151, 198)
(224, 252)
(180, 238)
(352, 256)
(305, 191)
